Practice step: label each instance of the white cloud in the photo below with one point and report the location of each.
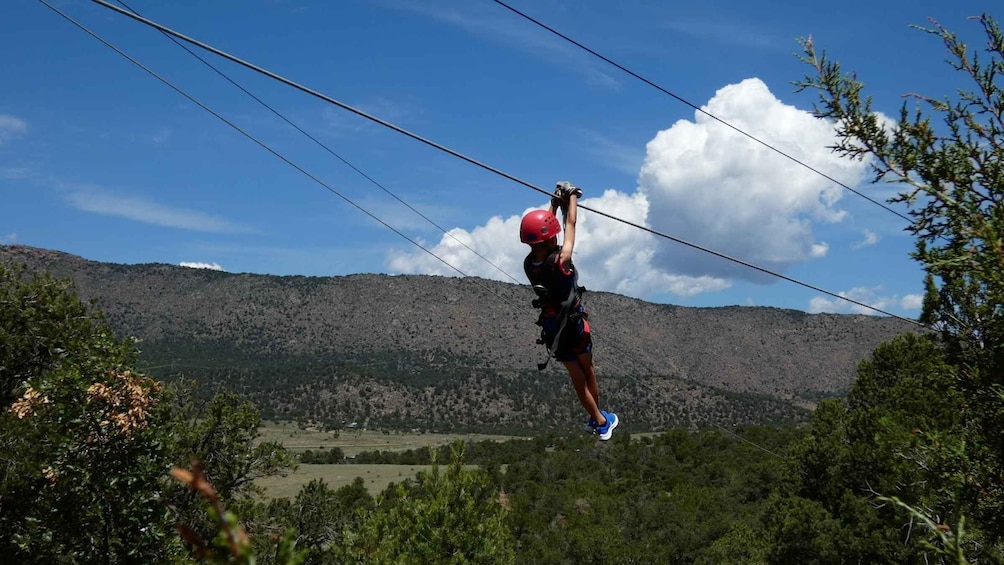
(613, 256)
(495, 241)
(702, 182)
(8, 239)
(198, 265)
(139, 209)
(912, 302)
(11, 127)
(711, 185)
(98, 200)
(617, 257)
(872, 296)
(870, 238)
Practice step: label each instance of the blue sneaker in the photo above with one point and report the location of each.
(607, 430)
(590, 426)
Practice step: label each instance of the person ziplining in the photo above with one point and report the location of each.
(563, 319)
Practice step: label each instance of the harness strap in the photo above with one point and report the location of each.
(563, 317)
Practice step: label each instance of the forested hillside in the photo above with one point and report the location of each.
(438, 352)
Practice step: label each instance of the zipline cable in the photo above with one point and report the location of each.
(317, 180)
(326, 148)
(277, 154)
(480, 164)
(260, 143)
(698, 108)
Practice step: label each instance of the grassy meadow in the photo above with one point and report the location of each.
(376, 477)
(352, 442)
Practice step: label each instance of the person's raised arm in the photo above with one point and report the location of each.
(568, 244)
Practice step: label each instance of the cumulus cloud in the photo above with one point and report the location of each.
(709, 184)
(11, 127)
(702, 182)
(615, 257)
(494, 241)
(873, 296)
(198, 265)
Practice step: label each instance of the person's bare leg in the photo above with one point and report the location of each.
(586, 362)
(582, 390)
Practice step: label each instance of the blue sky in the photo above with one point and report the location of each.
(99, 159)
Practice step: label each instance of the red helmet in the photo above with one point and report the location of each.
(538, 226)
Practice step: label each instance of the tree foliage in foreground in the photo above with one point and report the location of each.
(44, 325)
(948, 154)
(863, 447)
(86, 442)
(452, 515)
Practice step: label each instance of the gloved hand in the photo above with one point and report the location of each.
(564, 190)
(559, 199)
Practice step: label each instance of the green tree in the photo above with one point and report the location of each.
(865, 446)
(742, 545)
(44, 324)
(84, 442)
(228, 542)
(222, 437)
(451, 516)
(321, 515)
(318, 516)
(948, 154)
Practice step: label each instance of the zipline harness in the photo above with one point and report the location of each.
(559, 296)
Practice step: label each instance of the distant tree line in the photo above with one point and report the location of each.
(323, 456)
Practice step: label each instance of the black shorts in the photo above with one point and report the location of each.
(575, 338)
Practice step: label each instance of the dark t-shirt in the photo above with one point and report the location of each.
(558, 282)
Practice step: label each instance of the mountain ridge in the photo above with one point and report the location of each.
(467, 326)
